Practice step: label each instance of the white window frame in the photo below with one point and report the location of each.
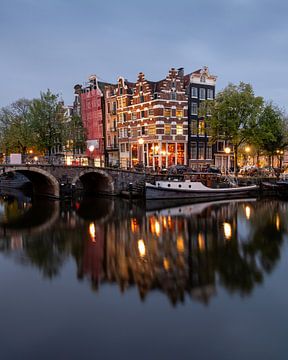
(202, 93)
(194, 89)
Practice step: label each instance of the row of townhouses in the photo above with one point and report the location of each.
(155, 124)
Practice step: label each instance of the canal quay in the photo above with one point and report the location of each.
(80, 274)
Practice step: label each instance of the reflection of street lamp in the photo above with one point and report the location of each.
(227, 230)
(227, 151)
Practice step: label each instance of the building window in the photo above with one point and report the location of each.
(193, 150)
(194, 127)
(167, 112)
(173, 96)
(179, 129)
(151, 130)
(167, 129)
(151, 112)
(179, 113)
(220, 145)
(142, 114)
(141, 98)
(202, 94)
(194, 92)
(201, 127)
(173, 84)
(202, 79)
(201, 151)
(209, 152)
(210, 94)
(122, 148)
(194, 108)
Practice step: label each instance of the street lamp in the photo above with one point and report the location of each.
(227, 151)
(280, 153)
(91, 149)
(247, 151)
(141, 150)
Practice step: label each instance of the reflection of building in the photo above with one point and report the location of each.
(178, 251)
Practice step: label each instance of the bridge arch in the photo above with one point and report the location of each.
(43, 182)
(95, 181)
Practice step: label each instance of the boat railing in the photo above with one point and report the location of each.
(204, 177)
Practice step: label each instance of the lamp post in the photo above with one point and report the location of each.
(91, 149)
(247, 151)
(227, 151)
(141, 151)
(280, 154)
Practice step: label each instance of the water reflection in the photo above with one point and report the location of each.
(183, 252)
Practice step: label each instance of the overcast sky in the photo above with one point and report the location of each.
(56, 44)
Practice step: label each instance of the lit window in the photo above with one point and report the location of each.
(179, 113)
(167, 129)
(179, 129)
(151, 130)
(201, 128)
(167, 112)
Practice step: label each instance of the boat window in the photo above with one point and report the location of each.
(179, 185)
(190, 186)
(168, 185)
(158, 184)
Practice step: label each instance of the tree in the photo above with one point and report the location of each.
(76, 134)
(270, 135)
(15, 126)
(233, 115)
(48, 122)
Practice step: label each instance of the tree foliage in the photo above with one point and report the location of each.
(15, 126)
(48, 122)
(271, 132)
(233, 115)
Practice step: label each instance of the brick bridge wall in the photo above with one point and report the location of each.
(64, 179)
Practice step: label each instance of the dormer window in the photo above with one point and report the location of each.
(203, 79)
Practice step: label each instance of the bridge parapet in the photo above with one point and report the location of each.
(53, 179)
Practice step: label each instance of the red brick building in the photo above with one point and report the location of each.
(92, 114)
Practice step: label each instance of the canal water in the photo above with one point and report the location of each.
(112, 279)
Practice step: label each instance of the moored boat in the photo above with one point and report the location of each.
(166, 189)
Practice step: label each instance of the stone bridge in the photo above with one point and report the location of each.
(61, 180)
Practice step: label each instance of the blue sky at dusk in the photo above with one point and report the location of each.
(58, 43)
